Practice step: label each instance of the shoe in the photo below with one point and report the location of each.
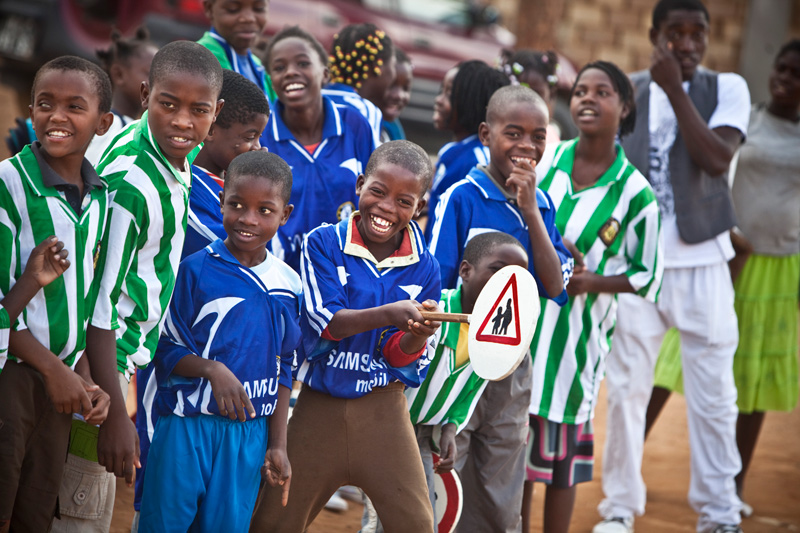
(726, 528)
(337, 503)
(617, 524)
(747, 510)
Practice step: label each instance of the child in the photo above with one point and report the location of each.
(502, 197)
(148, 168)
(235, 27)
(224, 392)
(364, 341)
(363, 66)
(466, 90)
(326, 145)
(127, 63)
(48, 188)
(237, 130)
(397, 98)
(691, 122)
(539, 71)
(608, 211)
(451, 389)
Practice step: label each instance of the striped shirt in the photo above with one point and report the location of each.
(31, 209)
(142, 247)
(449, 393)
(615, 223)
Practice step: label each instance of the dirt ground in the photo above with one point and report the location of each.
(773, 486)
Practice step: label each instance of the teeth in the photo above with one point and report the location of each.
(294, 87)
(588, 112)
(180, 139)
(58, 133)
(381, 224)
(517, 160)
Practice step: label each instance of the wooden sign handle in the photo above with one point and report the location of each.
(446, 317)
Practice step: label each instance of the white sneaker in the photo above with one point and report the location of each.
(747, 510)
(617, 524)
(336, 503)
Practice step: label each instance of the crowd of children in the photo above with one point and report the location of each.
(224, 229)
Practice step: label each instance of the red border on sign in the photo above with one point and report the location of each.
(501, 339)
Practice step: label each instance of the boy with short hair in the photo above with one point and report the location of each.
(148, 169)
(451, 390)
(212, 368)
(49, 188)
(364, 340)
(235, 28)
(502, 197)
(689, 125)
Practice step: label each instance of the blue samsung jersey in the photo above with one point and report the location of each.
(455, 160)
(344, 95)
(204, 224)
(244, 318)
(324, 183)
(476, 205)
(340, 273)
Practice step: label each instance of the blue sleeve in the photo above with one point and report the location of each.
(449, 236)
(323, 290)
(365, 149)
(291, 338)
(564, 256)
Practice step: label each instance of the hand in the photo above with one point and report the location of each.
(447, 447)
(581, 281)
(47, 261)
(403, 314)
(278, 471)
(576, 254)
(428, 327)
(522, 182)
(100, 404)
(230, 395)
(67, 390)
(664, 68)
(118, 445)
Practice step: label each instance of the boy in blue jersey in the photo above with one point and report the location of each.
(223, 393)
(502, 196)
(365, 340)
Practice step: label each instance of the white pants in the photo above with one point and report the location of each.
(699, 303)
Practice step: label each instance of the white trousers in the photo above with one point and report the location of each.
(699, 303)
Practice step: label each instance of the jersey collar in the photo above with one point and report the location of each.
(406, 254)
(565, 159)
(490, 190)
(143, 130)
(331, 127)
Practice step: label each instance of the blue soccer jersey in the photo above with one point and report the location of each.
(476, 205)
(244, 318)
(340, 273)
(204, 224)
(324, 180)
(455, 160)
(344, 95)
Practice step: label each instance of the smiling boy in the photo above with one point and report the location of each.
(149, 175)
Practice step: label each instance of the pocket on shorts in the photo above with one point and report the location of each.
(84, 489)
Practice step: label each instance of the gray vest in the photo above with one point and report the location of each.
(703, 205)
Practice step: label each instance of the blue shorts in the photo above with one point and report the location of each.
(203, 474)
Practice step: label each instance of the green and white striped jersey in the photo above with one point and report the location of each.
(30, 212)
(615, 223)
(142, 247)
(448, 394)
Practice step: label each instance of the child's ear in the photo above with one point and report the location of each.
(220, 104)
(104, 124)
(464, 270)
(287, 210)
(653, 36)
(144, 92)
(483, 133)
(626, 110)
(222, 194)
(360, 183)
(207, 4)
(420, 206)
(117, 74)
(210, 136)
(326, 76)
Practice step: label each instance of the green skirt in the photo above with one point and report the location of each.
(766, 363)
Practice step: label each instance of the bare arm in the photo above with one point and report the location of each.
(584, 281)
(229, 393)
(276, 467)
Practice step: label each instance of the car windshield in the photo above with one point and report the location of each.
(453, 12)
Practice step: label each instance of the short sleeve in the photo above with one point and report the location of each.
(733, 103)
(448, 237)
(644, 249)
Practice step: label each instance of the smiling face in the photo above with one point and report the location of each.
(399, 93)
(297, 73)
(595, 104)
(685, 32)
(224, 144)
(253, 209)
(784, 80)
(65, 114)
(442, 108)
(388, 199)
(516, 133)
(239, 22)
(375, 86)
(181, 108)
(474, 277)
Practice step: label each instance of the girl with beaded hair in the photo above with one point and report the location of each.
(539, 71)
(362, 68)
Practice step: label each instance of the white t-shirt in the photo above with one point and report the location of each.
(733, 110)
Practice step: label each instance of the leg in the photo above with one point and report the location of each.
(527, 501)
(558, 505)
(629, 375)
(658, 399)
(748, 427)
(704, 315)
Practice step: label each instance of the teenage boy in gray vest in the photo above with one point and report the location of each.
(689, 124)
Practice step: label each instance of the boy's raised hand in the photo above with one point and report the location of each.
(47, 261)
(278, 471)
(230, 395)
(522, 182)
(664, 67)
(447, 447)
